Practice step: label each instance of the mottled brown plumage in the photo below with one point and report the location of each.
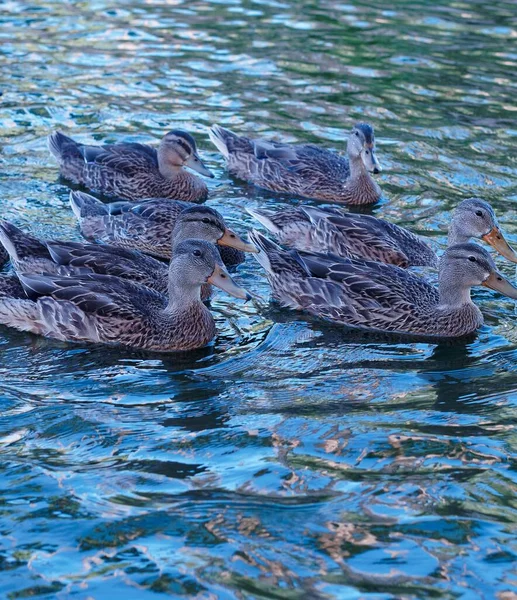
(146, 226)
(375, 296)
(30, 255)
(305, 170)
(347, 235)
(133, 171)
(111, 310)
(363, 236)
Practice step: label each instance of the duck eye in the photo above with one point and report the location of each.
(366, 152)
(472, 259)
(197, 253)
(206, 221)
(357, 133)
(479, 213)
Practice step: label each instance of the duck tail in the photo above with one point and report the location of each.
(265, 218)
(265, 247)
(219, 136)
(273, 258)
(59, 144)
(315, 214)
(85, 205)
(20, 245)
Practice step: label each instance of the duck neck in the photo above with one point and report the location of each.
(169, 171)
(452, 295)
(183, 295)
(357, 168)
(456, 235)
(166, 168)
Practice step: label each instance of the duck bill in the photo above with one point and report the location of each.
(500, 284)
(496, 239)
(195, 163)
(221, 279)
(370, 160)
(230, 238)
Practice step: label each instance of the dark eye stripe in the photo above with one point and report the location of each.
(184, 145)
(214, 223)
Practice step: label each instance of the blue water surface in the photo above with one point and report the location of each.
(290, 460)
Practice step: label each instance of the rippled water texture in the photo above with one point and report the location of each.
(290, 460)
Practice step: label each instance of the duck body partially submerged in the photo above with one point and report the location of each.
(378, 297)
(305, 170)
(332, 230)
(132, 170)
(105, 309)
(148, 225)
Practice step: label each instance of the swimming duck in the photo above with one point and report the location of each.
(31, 255)
(378, 297)
(305, 170)
(147, 226)
(133, 171)
(363, 236)
(110, 310)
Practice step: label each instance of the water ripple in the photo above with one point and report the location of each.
(290, 459)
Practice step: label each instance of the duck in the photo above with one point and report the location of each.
(305, 170)
(374, 296)
(132, 171)
(110, 310)
(147, 226)
(331, 230)
(32, 255)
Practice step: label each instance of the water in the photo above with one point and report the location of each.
(290, 460)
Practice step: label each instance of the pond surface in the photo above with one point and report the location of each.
(291, 460)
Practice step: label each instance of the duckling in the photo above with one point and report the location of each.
(363, 236)
(305, 170)
(31, 255)
(109, 310)
(378, 297)
(148, 226)
(133, 171)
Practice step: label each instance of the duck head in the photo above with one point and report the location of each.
(178, 149)
(196, 262)
(463, 266)
(475, 218)
(361, 144)
(205, 223)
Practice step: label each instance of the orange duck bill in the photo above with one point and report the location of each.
(230, 238)
(496, 239)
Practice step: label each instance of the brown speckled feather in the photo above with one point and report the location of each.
(128, 170)
(103, 308)
(304, 170)
(361, 294)
(146, 226)
(30, 255)
(347, 235)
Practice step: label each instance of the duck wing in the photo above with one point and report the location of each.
(373, 238)
(111, 260)
(278, 165)
(92, 307)
(306, 161)
(128, 158)
(146, 226)
(386, 284)
(353, 292)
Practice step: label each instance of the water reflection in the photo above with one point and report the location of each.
(291, 459)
